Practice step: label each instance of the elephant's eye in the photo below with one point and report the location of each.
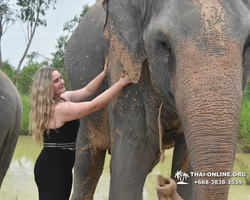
(247, 44)
(163, 42)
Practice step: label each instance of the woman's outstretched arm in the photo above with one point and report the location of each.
(89, 90)
(67, 111)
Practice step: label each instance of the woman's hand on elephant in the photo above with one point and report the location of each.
(124, 80)
(105, 71)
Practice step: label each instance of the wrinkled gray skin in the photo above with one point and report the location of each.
(10, 122)
(192, 56)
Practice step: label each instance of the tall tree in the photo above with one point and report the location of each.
(8, 16)
(57, 60)
(31, 12)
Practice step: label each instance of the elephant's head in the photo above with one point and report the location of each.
(197, 51)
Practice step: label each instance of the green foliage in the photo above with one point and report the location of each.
(26, 112)
(60, 50)
(30, 10)
(7, 16)
(58, 58)
(7, 19)
(85, 8)
(8, 69)
(246, 91)
(71, 24)
(244, 130)
(25, 78)
(30, 13)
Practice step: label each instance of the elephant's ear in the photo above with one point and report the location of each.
(123, 29)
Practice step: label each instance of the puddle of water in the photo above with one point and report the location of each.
(19, 181)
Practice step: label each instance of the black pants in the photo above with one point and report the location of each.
(53, 173)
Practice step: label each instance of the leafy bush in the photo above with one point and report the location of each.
(25, 78)
(26, 111)
(244, 131)
(246, 92)
(8, 69)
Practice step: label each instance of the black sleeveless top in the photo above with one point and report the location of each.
(53, 167)
(65, 134)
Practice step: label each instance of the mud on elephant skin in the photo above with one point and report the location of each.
(190, 56)
(10, 122)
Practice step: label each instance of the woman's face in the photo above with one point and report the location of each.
(58, 84)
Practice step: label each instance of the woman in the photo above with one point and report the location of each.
(54, 119)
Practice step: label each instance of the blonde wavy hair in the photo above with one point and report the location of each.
(42, 103)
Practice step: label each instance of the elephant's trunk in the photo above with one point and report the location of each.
(166, 189)
(208, 92)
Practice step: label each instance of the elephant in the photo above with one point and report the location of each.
(188, 61)
(10, 122)
(166, 189)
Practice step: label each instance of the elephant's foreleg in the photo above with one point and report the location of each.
(131, 161)
(92, 143)
(134, 146)
(181, 162)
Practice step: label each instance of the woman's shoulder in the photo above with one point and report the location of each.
(66, 96)
(62, 105)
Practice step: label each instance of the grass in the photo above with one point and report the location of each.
(26, 111)
(244, 132)
(244, 168)
(244, 129)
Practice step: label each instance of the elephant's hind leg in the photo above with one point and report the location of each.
(7, 150)
(87, 172)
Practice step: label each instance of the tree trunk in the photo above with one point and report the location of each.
(27, 49)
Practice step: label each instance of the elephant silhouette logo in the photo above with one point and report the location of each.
(181, 176)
